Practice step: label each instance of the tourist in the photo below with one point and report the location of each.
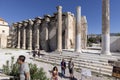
(55, 73)
(63, 67)
(71, 68)
(24, 68)
(34, 54)
(39, 53)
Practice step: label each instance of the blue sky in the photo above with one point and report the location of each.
(18, 10)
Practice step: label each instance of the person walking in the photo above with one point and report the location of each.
(71, 68)
(24, 73)
(34, 54)
(63, 67)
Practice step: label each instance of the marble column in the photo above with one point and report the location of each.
(105, 27)
(44, 33)
(84, 32)
(30, 23)
(18, 40)
(37, 24)
(78, 30)
(24, 34)
(59, 21)
(67, 31)
(14, 36)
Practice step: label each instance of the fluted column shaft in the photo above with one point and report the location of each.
(30, 34)
(24, 38)
(14, 36)
(24, 35)
(37, 43)
(38, 21)
(106, 27)
(59, 43)
(18, 41)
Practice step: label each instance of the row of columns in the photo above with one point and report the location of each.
(105, 30)
(27, 24)
(78, 28)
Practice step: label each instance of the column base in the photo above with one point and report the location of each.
(106, 52)
(59, 50)
(78, 51)
(13, 46)
(37, 46)
(18, 47)
(24, 47)
(29, 48)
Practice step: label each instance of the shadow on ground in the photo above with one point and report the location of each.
(66, 77)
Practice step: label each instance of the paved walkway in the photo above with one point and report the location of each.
(6, 54)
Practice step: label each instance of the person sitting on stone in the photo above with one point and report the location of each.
(55, 73)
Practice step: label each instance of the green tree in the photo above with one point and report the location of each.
(13, 70)
(118, 34)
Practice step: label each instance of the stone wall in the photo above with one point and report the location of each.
(84, 32)
(4, 33)
(115, 43)
(3, 41)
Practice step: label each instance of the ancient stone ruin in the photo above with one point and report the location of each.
(44, 33)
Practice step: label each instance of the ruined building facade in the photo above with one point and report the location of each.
(4, 33)
(41, 33)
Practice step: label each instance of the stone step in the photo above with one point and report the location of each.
(91, 61)
(82, 62)
(96, 71)
(79, 59)
(99, 56)
(86, 63)
(86, 57)
(92, 68)
(94, 64)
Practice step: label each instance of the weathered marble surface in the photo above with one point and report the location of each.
(52, 35)
(106, 27)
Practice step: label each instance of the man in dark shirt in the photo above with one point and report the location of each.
(63, 67)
